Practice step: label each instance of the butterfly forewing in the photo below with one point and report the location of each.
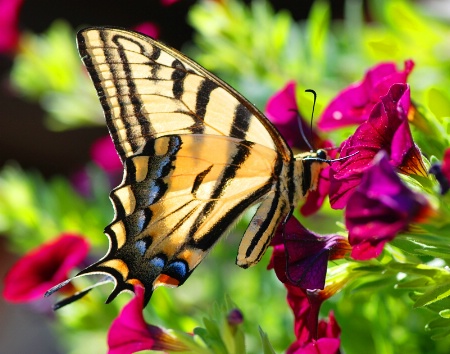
(149, 90)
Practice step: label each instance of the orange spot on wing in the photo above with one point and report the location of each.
(165, 280)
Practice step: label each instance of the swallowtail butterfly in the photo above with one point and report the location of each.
(196, 156)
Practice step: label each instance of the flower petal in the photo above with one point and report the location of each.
(301, 256)
(148, 28)
(320, 346)
(354, 104)
(129, 333)
(380, 208)
(386, 129)
(282, 111)
(442, 172)
(9, 33)
(104, 154)
(44, 267)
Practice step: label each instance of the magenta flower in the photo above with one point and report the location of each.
(354, 104)
(380, 208)
(307, 255)
(311, 334)
(129, 333)
(386, 129)
(9, 33)
(168, 2)
(148, 28)
(104, 154)
(44, 267)
(446, 165)
(314, 199)
(320, 346)
(442, 172)
(282, 111)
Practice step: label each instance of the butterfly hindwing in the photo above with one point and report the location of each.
(176, 200)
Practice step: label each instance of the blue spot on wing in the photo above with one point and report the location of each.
(157, 262)
(177, 270)
(141, 246)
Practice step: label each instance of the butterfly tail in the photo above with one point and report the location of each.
(109, 276)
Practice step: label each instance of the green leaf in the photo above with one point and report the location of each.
(267, 347)
(418, 283)
(436, 293)
(417, 269)
(445, 313)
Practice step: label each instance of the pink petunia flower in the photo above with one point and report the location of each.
(386, 129)
(354, 104)
(129, 333)
(148, 28)
(9, 33)
(310, 333)
(380, 208)
(44, 267)
(446, 164)
(300, 256)
(169, 2)
(104, 154)
(282, 111)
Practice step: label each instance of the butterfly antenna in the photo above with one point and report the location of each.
(312, 117)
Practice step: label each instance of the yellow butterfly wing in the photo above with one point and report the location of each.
(148, 90)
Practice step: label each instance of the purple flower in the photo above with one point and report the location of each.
(354, 104)
(380, 208)
(148, 28)
(44, 267)
(386, 129)
(442, 172)
(307, 255)
(235, 317)
(129, 333)
(9, 34)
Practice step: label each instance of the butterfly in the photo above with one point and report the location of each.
(196, 156)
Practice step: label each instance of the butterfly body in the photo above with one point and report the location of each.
(196, 156)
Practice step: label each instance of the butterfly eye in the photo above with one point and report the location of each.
(321, 154)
